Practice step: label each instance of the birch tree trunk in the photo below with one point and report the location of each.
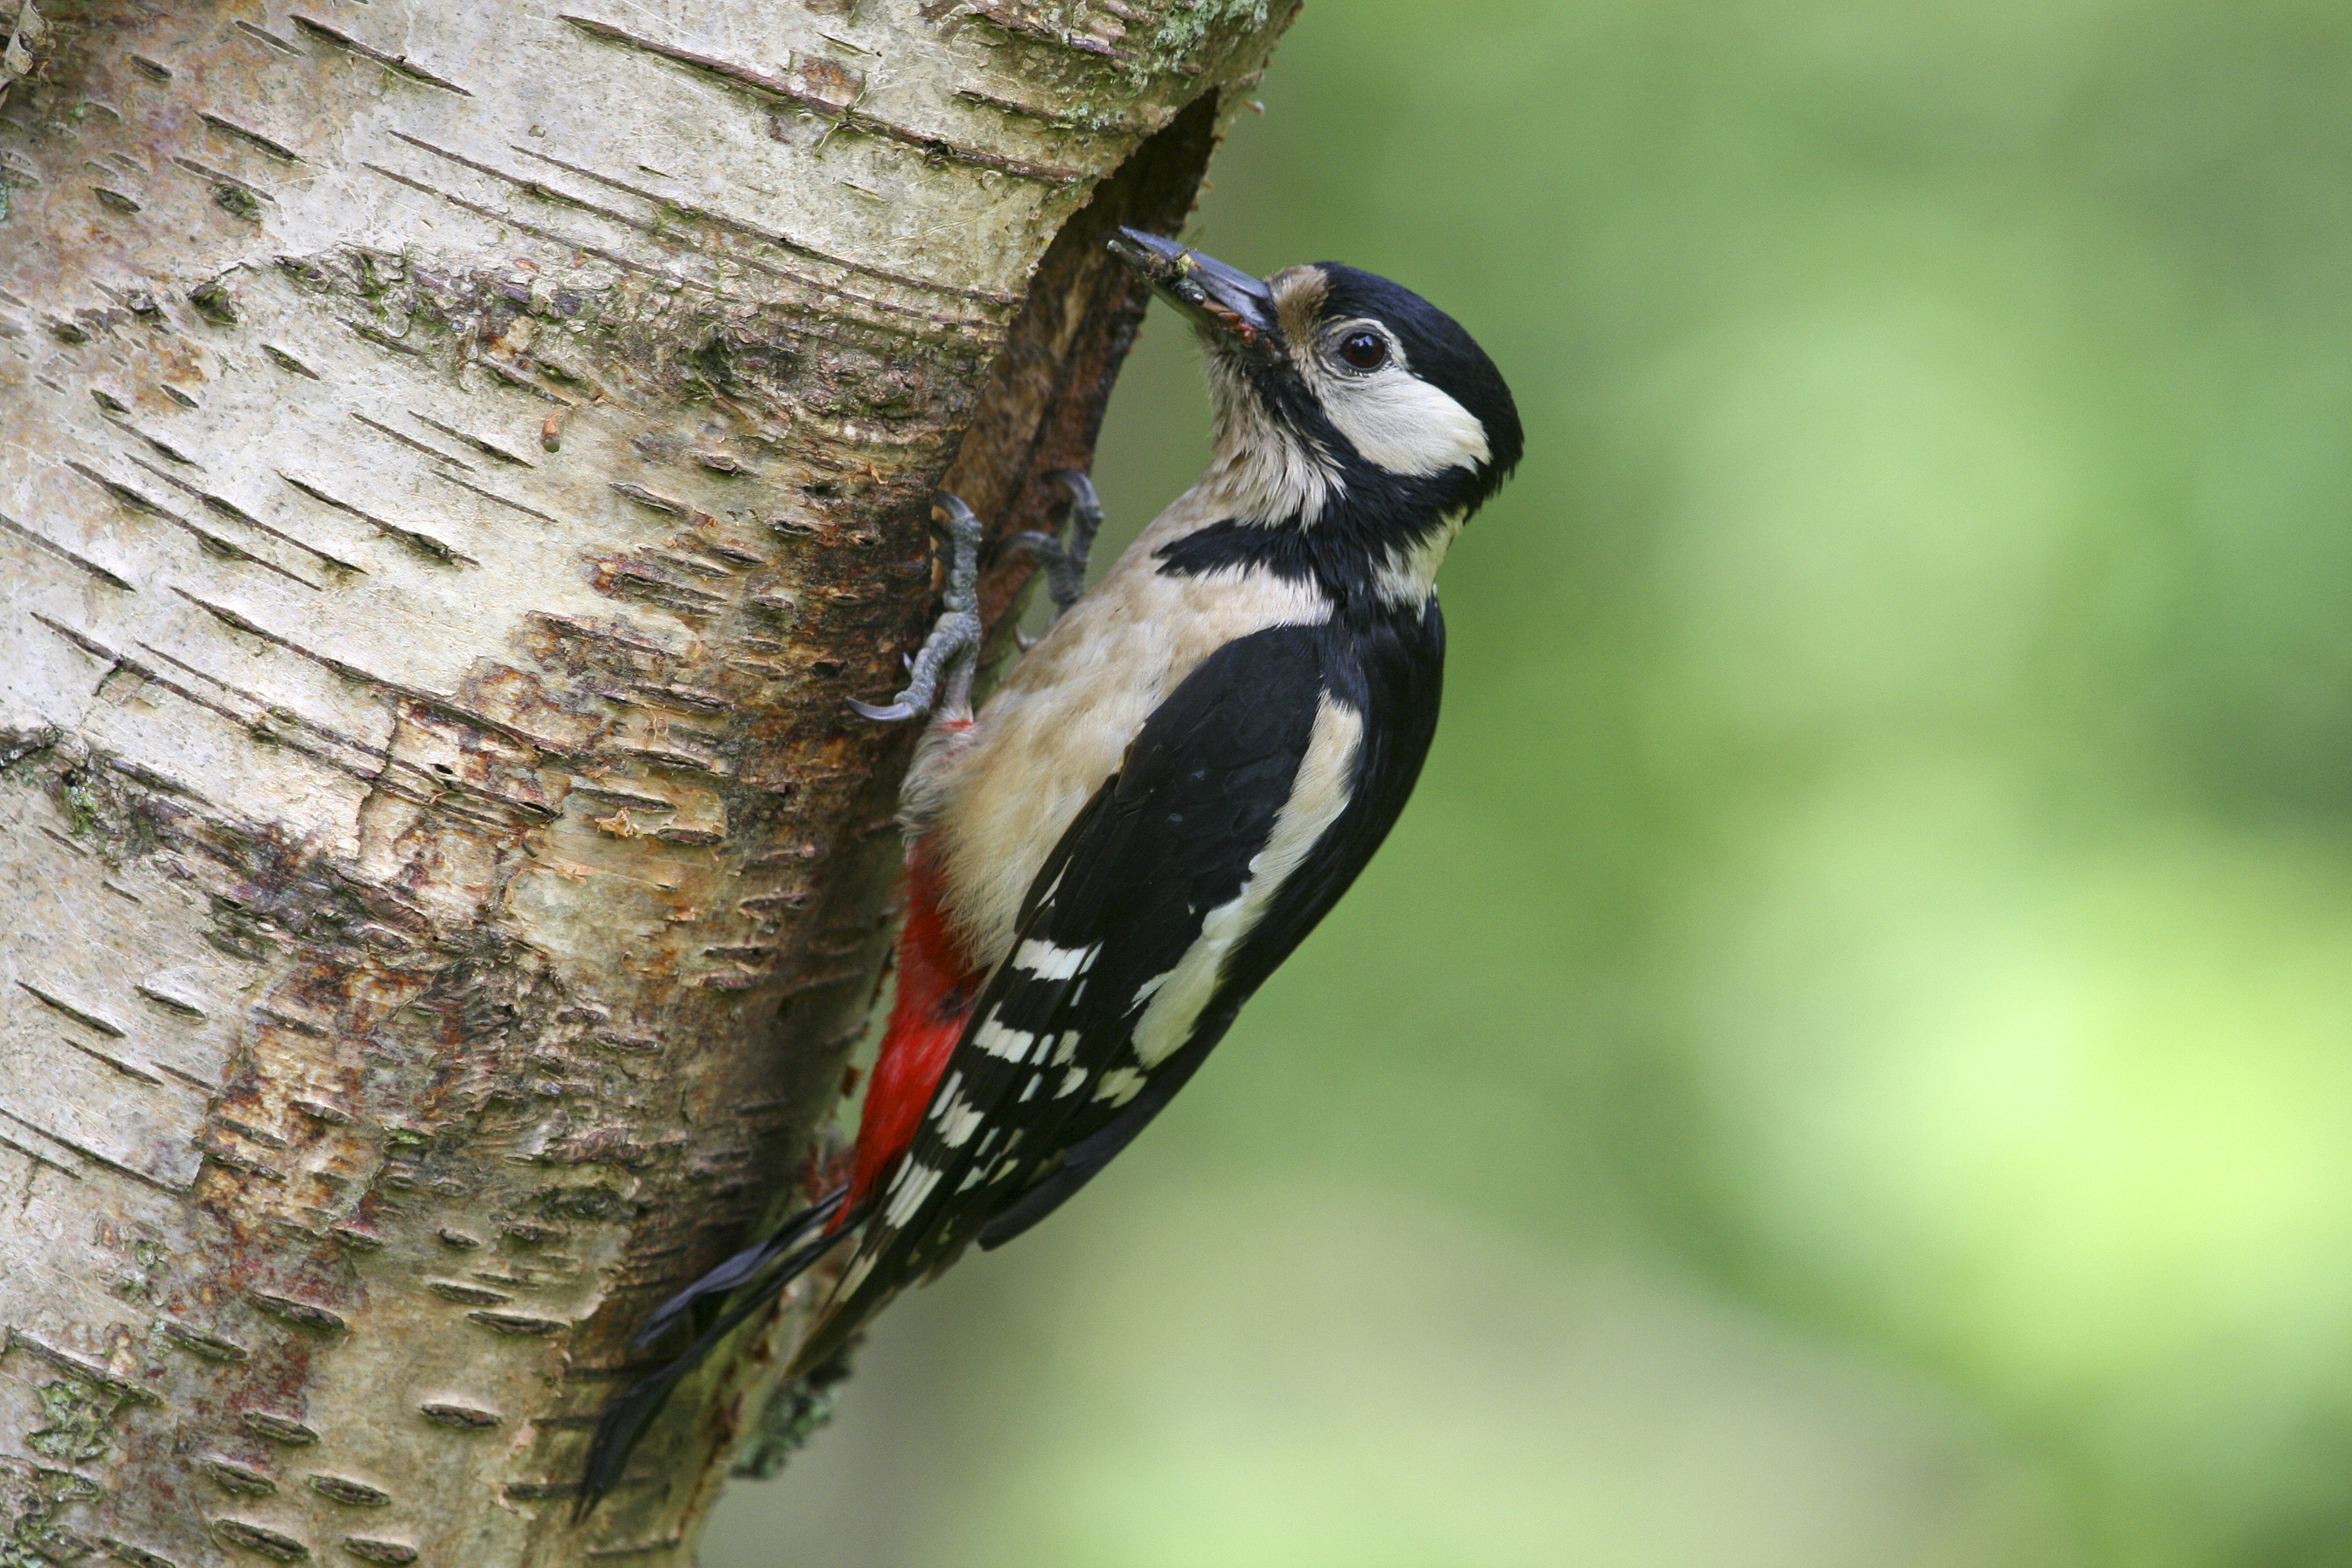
(458, 458)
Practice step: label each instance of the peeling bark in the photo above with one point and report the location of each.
(457, 460)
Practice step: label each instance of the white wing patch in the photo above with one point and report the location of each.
(912, 1184)
(1319, 794)
(1047, 962)
(997, 1040)
(944, 1096)
(1120, 1085)
(960, 1120)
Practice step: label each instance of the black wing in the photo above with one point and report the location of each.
(1047, 1083)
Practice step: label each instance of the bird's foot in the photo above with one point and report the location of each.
(1065, 563)
(952, 649)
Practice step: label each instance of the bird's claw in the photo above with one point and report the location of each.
(953, 648)
(1065, 563)
(1086, 512)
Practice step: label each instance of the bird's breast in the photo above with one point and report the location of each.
(1000, 797)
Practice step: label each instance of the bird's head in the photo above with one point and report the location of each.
(1335, 388)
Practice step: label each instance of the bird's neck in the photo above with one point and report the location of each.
(1263, 472)
(1363, 557)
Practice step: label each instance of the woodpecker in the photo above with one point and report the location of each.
(1160, 799)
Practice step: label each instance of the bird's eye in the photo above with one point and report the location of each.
(1365, 351)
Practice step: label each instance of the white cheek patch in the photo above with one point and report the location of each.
(1399, 422)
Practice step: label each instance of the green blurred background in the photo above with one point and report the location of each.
(1844, 1062)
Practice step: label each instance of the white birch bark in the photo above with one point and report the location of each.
(456, 459)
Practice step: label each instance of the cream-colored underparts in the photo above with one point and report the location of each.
(1319, 794)
(1001, 798)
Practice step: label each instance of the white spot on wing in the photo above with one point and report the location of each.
(946, 1095)
(999, 1041)
(914, 1182)
(1070, 1082)
(1119, 1085)
(1047, 962)
(960, 1120)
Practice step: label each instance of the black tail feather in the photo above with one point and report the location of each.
(626, 1419)
(741, 1266)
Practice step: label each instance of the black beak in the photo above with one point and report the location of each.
(1222, 299)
